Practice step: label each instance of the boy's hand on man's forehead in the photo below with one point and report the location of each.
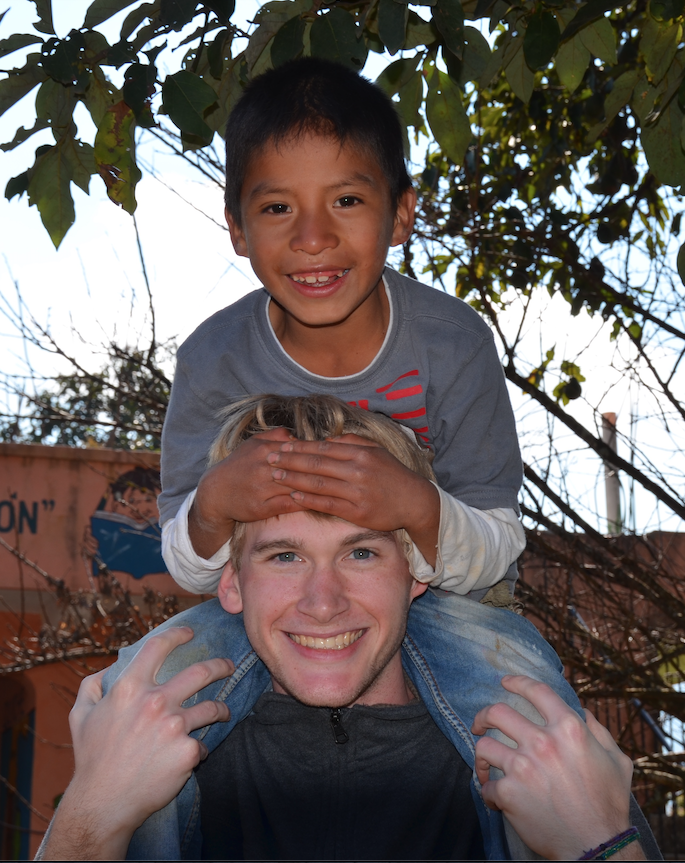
(361, 482)
(239, 488)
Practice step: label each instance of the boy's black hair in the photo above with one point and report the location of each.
(319, 96)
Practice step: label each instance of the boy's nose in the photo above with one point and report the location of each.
(323, 596)
(313, 234)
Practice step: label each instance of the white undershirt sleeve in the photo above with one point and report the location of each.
(192, 572)
(475, 547)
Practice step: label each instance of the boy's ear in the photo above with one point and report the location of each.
(229, 590)
(237, 235)
(404, 217)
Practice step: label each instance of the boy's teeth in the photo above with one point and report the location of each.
(313, 279)
(335, 642)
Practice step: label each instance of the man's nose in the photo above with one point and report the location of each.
(314, 232)
(323, 596)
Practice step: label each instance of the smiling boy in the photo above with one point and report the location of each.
(317, 192)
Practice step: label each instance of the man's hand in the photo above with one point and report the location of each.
(566, 788)
(132, 750)
(361, 482)
(239, 488)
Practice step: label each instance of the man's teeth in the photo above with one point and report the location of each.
(335, 642)
(318, 280)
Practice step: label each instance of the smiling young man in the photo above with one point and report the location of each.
(339, 743)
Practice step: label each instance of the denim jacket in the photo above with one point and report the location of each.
(455, 652)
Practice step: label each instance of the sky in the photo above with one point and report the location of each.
(92, 289)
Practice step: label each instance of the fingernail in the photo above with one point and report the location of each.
(287, 447)
(296, 495)
(273, 457)
(278, 474)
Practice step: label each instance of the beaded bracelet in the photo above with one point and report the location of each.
(613, 846)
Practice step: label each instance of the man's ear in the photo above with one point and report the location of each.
(237, 235)
(404, 217)
(229, 590)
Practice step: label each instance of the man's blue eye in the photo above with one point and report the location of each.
(361, 554)
(286, 556)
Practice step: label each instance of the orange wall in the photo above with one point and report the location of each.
(48, 498)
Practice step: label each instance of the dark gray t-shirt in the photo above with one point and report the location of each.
(280, 787)
(437, 372)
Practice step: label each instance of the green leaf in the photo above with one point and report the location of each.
(259, 40)
(541, 40)
(448, 17)
(658, 45)
(476, 55)
(49, 190)
(17, 186)
(681, 257)
(446, 116)
(335, 36)
(396, 75)
(663, 150)
(136, 17)
(572, 60)
(81, 161)
(588, 12)
(288, 41)
(102, 10)
(100, 95)
(392, 24)
(519, 75)
(17, 41)
(23, 134)
(600, 39)
(411, 98)
(55, 104)
(115, 155)
(223, 9)
(19, 83)
(61, 58)
(176, 13)
(186, 98)
(619, 96)
(44, 10)
(215, 54)
(138, 88)
(419, 32)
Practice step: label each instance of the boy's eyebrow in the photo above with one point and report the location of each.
(266, 188)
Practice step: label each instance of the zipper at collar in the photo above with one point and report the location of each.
(339, 733)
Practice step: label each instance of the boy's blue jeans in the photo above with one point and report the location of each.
(456, 651)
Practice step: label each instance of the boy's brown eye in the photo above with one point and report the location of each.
(348, 201)
(278, 208)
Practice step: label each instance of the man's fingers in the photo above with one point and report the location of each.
(544, 699)
(504, 718)
(186, 683)
(491, 753)
(147, 662)
(205, 713)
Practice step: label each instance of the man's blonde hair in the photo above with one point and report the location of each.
(314, 418)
